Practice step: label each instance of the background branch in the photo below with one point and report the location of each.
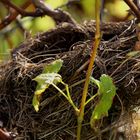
(12, 15)
(134, 8)
(41, 10)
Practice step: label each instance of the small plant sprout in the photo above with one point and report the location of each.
(106, 88)
(48, 77)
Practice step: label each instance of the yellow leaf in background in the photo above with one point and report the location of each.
(88, 6)
(117, 8)
(43, 24)
(55, 3)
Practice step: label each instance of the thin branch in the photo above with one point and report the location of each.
(10, 4)
(58, 15)
(21, 11)
(134, 8)
(41, 10)
(12, 15)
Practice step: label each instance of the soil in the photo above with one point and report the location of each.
(56, 118)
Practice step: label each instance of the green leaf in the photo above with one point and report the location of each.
(95, 81)
(54, 67)
(36, 102)
(133, 53)
(44, 80)
(107, 92)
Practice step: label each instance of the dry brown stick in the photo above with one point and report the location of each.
(12, 15)
(58, 15)
(134, 8)
(23, 12)
(41, 9)
(10, 4)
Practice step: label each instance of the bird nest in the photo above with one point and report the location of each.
(56, 119)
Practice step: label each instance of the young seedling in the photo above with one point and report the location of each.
(49, 77)
(106, 88)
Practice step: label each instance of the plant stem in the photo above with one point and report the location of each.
(59, 90)
(67, 97)
(91, 99)
(89, 71)
(70, 99)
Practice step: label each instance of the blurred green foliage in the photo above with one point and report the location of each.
(80, 10)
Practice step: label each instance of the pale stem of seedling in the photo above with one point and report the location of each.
(89, 71)
(90, 99)
(59, 90)
(68, 97)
